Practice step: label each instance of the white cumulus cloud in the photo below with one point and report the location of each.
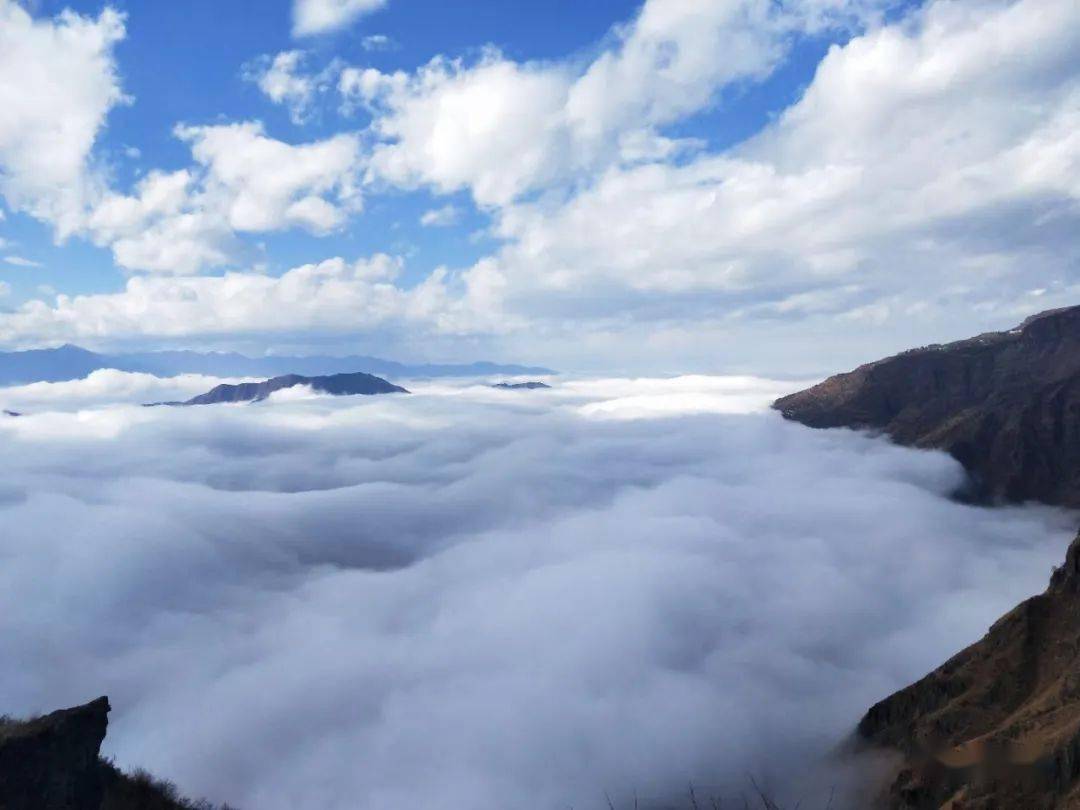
(927, 179)
(284, 80)
(323, 16)
(920, 188)
(21, 261)
(331, 297)
(243, 181)
(104, 387)
(501, 128)
(58, 82)
(441, 217)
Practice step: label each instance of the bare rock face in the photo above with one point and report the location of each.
(1006, 405)
(51, 763)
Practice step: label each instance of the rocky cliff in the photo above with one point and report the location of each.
(51, 763)
(54, 763)
(1004, 404)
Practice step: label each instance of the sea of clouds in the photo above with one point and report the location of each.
(471, 598)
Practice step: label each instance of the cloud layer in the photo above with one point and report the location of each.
(477, 598)
(333, 296)
(105, 386)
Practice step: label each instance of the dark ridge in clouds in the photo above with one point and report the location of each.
(356, 383)
(467, 598)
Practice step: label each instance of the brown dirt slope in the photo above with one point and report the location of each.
(998, 725)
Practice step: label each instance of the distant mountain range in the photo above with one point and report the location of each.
(337, 384)
(73, 363)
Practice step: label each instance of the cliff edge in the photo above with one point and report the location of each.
(54, 763)
(1006, 405)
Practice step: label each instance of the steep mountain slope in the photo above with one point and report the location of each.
(73, 363)
(1004, 404)
(998, 725)
(337, 384)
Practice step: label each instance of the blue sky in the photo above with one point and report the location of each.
(183, 63)
(684, 102)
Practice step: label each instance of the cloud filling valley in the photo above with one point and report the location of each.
(474, 598)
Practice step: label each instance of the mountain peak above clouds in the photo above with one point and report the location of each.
(357, 383)
(1006, 405)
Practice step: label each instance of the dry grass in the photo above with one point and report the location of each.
(755, 798)
(14, 727)
(139, 790)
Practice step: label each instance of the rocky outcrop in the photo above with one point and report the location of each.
(54, 763)
(337, 384)
(998, 725)
(51, 763)
(1004, 404)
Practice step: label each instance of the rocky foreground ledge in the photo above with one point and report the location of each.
(54, 763)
